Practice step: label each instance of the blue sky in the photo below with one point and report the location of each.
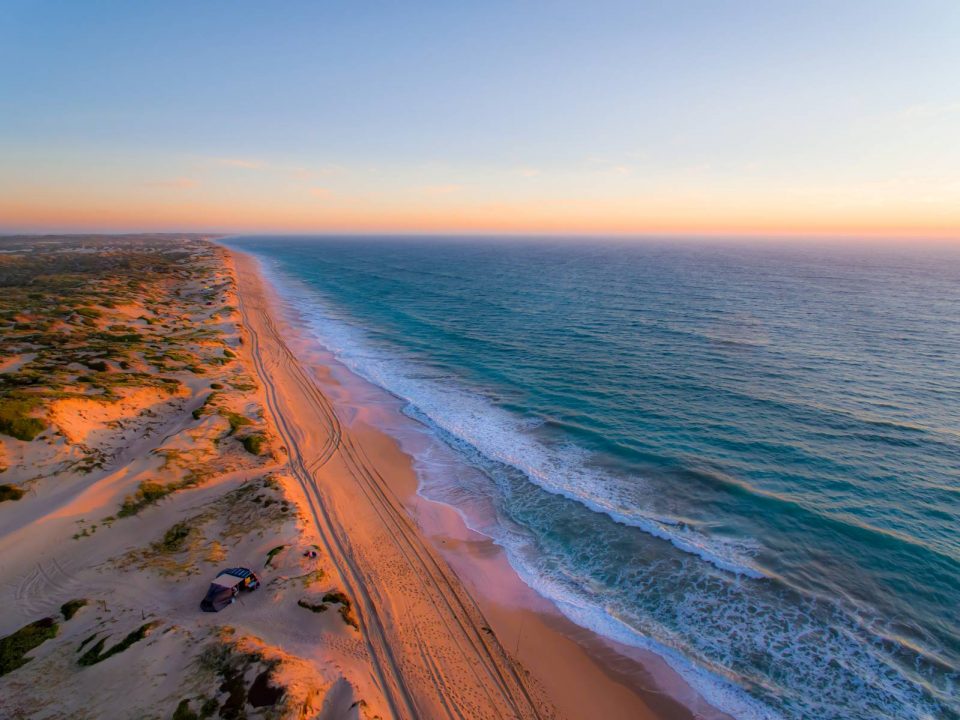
(629, 116)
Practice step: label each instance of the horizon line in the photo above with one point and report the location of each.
(507, 234)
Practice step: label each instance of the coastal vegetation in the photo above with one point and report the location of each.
(253, 444)
(125, 393)
(346, 608)
(148, 493)
(97, 654)
(312, 606)
(196, 541)
(273, 553)
(174, 538)
(96, 320)
(15, 418)
(10, 492)
(13, 648)
(231, 662)
(71, 607)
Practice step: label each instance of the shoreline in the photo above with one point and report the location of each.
(583, 674)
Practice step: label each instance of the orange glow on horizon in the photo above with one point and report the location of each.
(562, 218)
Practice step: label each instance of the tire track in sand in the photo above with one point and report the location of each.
(466, 675)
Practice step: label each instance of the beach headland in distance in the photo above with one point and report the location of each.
(159, 426)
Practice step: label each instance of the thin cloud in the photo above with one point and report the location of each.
(320, 192)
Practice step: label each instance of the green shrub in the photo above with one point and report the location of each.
(10, 492)
(175, 537)
(183, 711)
(312, 607)
(95, 654)
(273, 553)
(346, 609)
(15, 422)
(253, 444)
(69, 609)
(202, 410)
(236, 420)
(147, 494)
(209, 708)
(125, 338)
(14, 647)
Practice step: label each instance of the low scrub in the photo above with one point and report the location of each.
(117, 338)
(70, 608)
(13, 648)
(96, 654)
(174, 538)
(346, 609)
(10, 492)
(208, 708)
(253, 444)
(273, 553)
(16, 422)
(147, 494)
(236, 420)
(203, 409)
(312, 607)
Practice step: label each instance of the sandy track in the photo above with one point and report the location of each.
(430, 649)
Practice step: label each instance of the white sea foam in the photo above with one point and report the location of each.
(717, 691)
(498, 435)
(464, 417)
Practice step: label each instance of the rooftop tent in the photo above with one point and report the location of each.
(226, 586)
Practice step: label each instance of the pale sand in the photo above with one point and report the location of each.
(434, 598)
(64, 540)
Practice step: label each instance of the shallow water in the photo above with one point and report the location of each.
(747, 459)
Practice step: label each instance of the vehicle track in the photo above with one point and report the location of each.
(418, 678)
(43, 588)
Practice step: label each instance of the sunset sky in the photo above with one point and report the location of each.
(696, 117)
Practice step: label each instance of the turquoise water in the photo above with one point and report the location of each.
(747, 459)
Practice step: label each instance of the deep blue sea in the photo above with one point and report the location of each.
(746, 458)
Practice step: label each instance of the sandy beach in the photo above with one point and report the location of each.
(254, 453)
(381, 548)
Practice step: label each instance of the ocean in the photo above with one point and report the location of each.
(745, 458)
